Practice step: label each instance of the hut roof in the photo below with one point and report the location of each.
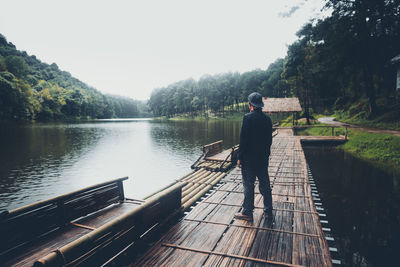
(278, 105)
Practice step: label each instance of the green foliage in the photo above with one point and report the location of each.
(3, 66)
(32, 90)
(220, 94)
(382, 148)
(16, 65)
(346, 56)
(387, 116)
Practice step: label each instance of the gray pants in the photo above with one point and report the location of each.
(249, 175)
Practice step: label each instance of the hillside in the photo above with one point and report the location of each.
(33, 90)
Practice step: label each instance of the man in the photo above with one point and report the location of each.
(253, 155)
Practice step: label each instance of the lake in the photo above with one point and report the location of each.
(363, 206)
(39, 161)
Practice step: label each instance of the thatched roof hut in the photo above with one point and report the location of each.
(281, 105)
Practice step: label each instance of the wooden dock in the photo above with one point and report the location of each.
(209, 235)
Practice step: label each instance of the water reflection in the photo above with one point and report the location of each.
(362, 203)
(38, 161)
(33, 157)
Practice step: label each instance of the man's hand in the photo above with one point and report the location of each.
(239, 163)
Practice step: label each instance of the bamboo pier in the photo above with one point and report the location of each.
(190, 222)
(208, 235)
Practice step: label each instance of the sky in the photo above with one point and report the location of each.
(130, 47)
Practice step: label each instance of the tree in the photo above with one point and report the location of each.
(16, 65)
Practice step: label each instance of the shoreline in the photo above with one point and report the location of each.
(380, 150)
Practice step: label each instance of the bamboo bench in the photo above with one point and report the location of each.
(214, 158)
(85, 227)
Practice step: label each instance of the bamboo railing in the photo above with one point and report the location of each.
(27, 223)
(206, 161)
(103, 243)
(295, 128)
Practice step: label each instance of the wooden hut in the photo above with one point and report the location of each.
(282, 106)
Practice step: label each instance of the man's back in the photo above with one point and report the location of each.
(255, 138)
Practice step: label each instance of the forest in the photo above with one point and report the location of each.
(33, 90)
(340, 63)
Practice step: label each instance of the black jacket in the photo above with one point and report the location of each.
(255, 139)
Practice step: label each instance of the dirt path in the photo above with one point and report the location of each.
(331, 120)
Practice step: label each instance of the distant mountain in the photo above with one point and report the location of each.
(33, 90)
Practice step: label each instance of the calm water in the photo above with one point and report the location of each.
(38, 161)
(363, 206)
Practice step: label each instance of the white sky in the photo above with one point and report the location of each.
(131, 47)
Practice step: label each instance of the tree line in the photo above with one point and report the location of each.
(218, 93)
(335, 61)
(33, 90)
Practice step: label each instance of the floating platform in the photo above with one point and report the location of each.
(209, 235)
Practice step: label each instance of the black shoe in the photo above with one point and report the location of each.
(245, 217)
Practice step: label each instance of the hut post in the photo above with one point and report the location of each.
(333, 131)
(293, 118)
(345, 134)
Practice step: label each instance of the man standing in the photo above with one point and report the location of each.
(254, 150)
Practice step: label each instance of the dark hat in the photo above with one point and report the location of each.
(255, 99)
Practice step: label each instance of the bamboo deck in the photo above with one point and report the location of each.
(209, 235)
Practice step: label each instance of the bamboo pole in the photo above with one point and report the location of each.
(231, 255)
(192, 200)
(189, 187)
(167, 186)
(61, 197)
(198, 189)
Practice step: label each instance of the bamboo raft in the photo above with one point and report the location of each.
(88, 227)
(214, 158)
(208, 235)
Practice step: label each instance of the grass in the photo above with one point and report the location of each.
(386, 117)
(321, 131)
(383, 150)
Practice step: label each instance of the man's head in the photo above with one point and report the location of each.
(255, 100)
